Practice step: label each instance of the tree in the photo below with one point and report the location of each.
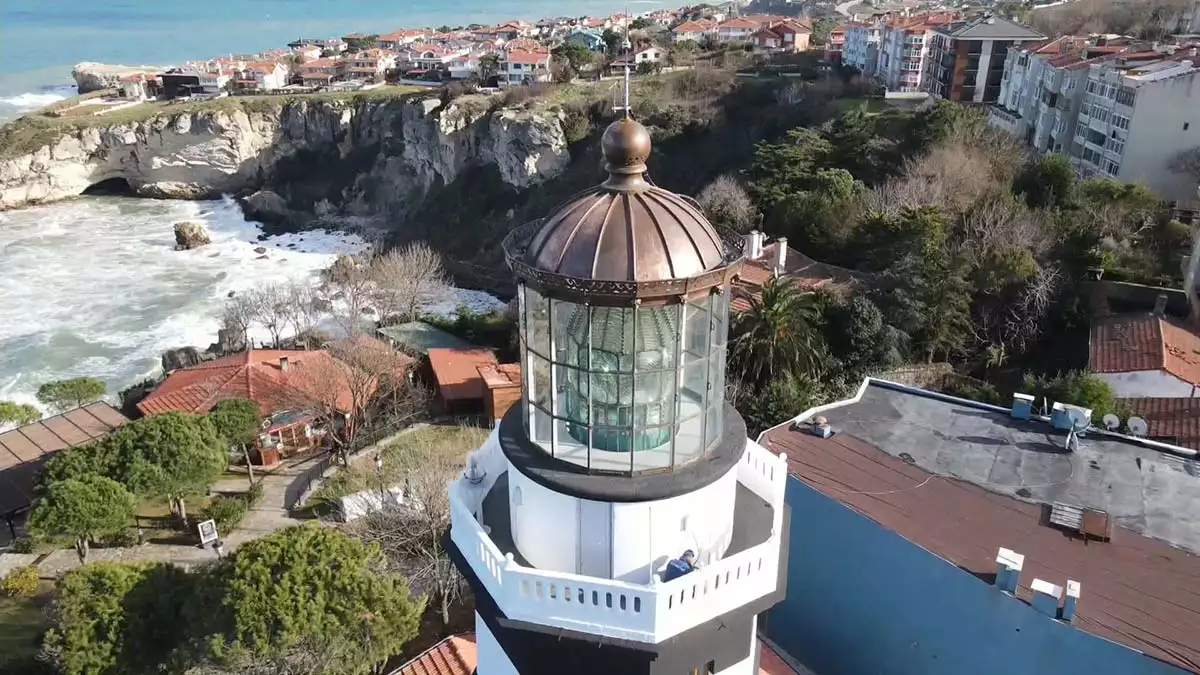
(172, 455)
(1046, 181)
(311, 585)
(649, 68)
(358, 43)
(19, 414)
(640, 23)
(268, 306)
(612, 41)
(777, 335)
(576, 54)
(727, 205)
(238, 316)
(408, 278)
(62, 395)
(489, 67)
(1076, 388)
(411, 534)
(859, 338)
(82, 509)
(239, 422)
(118, 619)
(303, 308)
(781, 169)
(349, 290)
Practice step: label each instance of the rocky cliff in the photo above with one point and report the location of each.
(363, 156)
(91, 76)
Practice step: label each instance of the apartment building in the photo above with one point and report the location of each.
(522, 66)
(904, 49)
(861, 49)
(835, 44)
(966, 58)
(1136, 115)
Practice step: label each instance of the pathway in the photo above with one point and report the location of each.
(844, 8)
(267, 516)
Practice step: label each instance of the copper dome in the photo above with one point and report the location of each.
(627, 230)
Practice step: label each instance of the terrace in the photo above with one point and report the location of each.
(649, 613)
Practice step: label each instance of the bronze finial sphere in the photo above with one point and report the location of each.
(626, 145)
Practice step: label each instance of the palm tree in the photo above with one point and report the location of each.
(777, 336)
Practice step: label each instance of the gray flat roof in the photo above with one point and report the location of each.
(418, 337)
(1151, 492)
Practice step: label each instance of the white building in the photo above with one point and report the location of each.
(861, 49)
(572, 522)
(1145, 355)
(1135, 117)
(736, 30)
(904, 50)
(520, 66)
(263, 76)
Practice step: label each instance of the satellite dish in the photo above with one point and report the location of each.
(266, 424)
(1137, 426)
(1112, 422)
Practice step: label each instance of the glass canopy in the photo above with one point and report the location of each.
(624, 389)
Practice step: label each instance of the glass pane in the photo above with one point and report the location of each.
(689, 440)
(541, 429)
(572, 393)
(570, 333)
(537, 322)
(695, 380)
(540, 380)
(720, 310)
(611, 449)
(657, 337)
(716, 377)
(572, 442)
(713, 421)
(696, 326)
(612, 339)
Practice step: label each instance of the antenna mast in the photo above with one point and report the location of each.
(627, 47)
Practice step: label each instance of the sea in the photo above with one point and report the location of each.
(93, 286)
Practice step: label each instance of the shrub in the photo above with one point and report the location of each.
(22, 582)
(22, 545)
(576, 125)
(122, 539)
(1077, 388)
(227, 512)
(254, 494)
(983, 392)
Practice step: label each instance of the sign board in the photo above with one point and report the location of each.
(208, 532)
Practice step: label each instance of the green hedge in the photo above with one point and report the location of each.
(227, 512)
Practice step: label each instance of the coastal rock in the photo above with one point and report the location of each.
(229, 341)
(308, 159)
(183, 357)
(190, 235)
(91, 76)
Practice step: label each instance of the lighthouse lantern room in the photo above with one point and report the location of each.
(618, 520)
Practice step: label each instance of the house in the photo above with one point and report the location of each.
(588, 38)
(139, 87)
(966, 58)
(649, 55)
(1175, 421)
(262, 76)
(416, 338)
(1010, 547)
(768, 261)
(369, 65)
(904, 49)
(320, 72)
(24, 450)
(736, 30)
(766, 39)
(519, 66)
(511, 30)
(1145, 355)
(307, 52)
(401, 38)
(433, 57)
(835, 44)
(503, 389)
(795, 35)
(457, 378)
(294, 391)
(693, 31)
(178, 82)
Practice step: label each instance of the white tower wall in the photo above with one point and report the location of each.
(625, 540)
(490, 656)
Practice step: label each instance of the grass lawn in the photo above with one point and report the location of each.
(451, 443)
(22, 622)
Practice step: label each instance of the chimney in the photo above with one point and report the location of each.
(1022, 406)
(283, 363)
(1008, 570)
(780, 255)
(759, 235)
(1160, 304)
(1068, 608)
(751, 240)
(1045, 597)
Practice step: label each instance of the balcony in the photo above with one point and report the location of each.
(649, 613)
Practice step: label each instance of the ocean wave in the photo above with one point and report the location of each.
(33, 100)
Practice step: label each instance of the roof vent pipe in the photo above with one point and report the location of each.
(1045, 597)
(1160, 304)
(283, 363)
(1008, 570)
(751, 241)
(781, 248)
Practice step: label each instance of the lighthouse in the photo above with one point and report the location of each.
(572, 522)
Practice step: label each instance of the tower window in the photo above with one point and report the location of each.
(516, 496)
(683, 524)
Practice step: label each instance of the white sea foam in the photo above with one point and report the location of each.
(93, 287)
(34, 100)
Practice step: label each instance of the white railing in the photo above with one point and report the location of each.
(645, 613)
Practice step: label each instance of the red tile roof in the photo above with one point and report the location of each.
(1136, 342)
(456, 655)
(522, 56)
(738, 23)
(457, 371)
(256, 375)
(771, 663)
(809, 274)
(1171, 420)
(690, 27)
(1143, 590)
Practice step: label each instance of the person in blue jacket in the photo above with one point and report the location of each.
(684, 564)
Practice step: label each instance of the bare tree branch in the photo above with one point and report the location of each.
(407, 278)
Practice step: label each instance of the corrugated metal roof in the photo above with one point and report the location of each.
(418, 337)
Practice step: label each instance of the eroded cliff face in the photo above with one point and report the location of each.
(357, 157)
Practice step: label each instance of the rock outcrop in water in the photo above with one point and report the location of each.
(323, 157)
(190, 235)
